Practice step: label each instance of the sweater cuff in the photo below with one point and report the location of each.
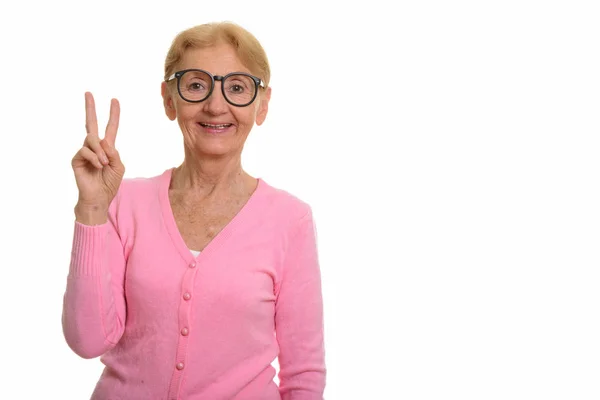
(88, 247)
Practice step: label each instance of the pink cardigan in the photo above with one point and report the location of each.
(171, 326)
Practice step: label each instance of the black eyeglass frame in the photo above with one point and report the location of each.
(257, 83)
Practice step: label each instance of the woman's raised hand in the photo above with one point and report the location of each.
(97, 166)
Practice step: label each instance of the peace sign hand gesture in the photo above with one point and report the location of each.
(97, 166)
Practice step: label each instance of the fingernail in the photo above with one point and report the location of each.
(104, 160)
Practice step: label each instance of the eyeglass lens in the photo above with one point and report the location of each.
(196, 85)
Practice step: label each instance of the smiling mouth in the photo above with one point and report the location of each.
(212, 126)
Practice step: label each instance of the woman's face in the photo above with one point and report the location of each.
(213, 126)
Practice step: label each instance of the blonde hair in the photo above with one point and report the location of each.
(248, 48)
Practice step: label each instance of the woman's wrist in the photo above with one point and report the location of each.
(87, 214)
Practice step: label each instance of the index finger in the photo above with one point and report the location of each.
(91, 122)
(113, 122)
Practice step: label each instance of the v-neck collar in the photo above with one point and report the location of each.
(220, 238)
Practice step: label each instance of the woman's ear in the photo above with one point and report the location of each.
(263, 107)
(168, 101)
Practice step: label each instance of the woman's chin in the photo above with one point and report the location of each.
(214, 148)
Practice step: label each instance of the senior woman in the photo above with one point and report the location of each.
(191, 283)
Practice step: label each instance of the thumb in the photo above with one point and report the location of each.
(114, 159)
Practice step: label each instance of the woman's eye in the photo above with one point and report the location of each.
(236, 89)
(195, 86)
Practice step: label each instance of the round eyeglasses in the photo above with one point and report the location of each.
(196, 85)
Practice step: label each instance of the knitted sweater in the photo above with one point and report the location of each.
(169, 325)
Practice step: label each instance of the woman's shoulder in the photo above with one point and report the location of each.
(136, 191)
(287, 203)
(141, 185)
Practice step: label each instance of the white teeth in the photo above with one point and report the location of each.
(222, 126)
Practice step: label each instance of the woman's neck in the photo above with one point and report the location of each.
(211, 177)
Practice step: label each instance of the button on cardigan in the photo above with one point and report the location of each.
(169, 325)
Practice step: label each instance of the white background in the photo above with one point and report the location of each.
(450, 151)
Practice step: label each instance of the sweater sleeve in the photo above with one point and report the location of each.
(93, 317)
(299, 318)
